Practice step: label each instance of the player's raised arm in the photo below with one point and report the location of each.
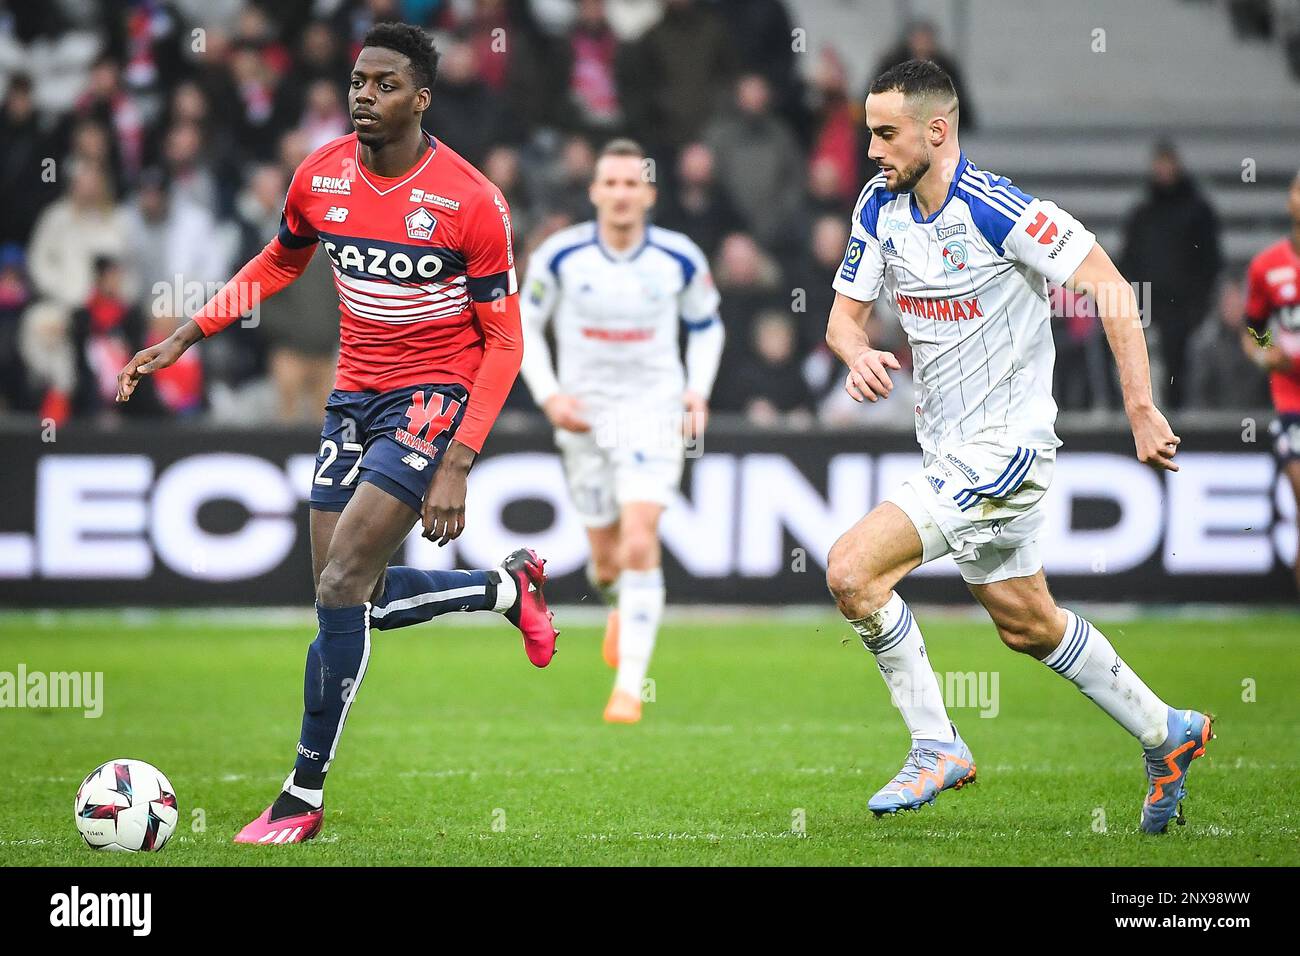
(281, 261)
(1117, 306)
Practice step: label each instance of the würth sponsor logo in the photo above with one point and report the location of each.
(943, 310)
(74, 908)
(336, 185)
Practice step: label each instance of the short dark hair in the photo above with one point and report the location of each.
(413, 43)
(916, 78)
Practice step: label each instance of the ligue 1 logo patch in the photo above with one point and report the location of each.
(852, 256)
(954, 255)
(420, 223)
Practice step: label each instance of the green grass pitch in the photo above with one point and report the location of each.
(764, 742)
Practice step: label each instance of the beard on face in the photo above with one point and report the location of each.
(910, 176)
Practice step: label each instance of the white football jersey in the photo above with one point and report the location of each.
(970, 287)
(617, 316)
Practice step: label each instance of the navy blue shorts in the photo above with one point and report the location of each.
(393, 440)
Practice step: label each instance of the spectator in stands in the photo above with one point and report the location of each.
(921, 42)
(764, 41)
(28, 150)
(1083, 365)
(811, 285)
(750, 282)
(465, 111)
(759, 161)
(587, 62)
(1171, 240)
(836, 146)
(502, 168)
(324, 117)
(105, 101)
(172, 243)
(46, 351)
(105, 332)
(1220, 372)
(568, 181)
(15, 296)
(677, 66)
(71, 233)
(770, 376)
(697, 205)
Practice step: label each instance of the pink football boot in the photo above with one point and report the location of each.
(529, 612)
(294, 828)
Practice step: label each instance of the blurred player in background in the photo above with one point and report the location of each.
(618, 289)
(965, 257)
(1273, 317)
(420, 244)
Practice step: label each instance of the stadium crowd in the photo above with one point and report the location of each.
(145, 149)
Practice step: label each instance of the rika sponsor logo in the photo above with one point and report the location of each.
(433, 199)
(953, 230)
(336, 185)
(420, 223)
(943, 310)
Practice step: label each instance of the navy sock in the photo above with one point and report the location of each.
(412, 596)
(336, 665)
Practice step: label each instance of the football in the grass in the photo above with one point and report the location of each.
(126, 805)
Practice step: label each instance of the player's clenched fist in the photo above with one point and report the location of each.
(1155, 441)
(565, 411)
(869, 375)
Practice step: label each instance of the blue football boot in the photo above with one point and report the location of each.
(931, 767)
(1167, 766)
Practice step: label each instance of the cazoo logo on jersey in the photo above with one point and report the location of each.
(387, 260)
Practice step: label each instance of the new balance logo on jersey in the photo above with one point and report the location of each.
(418, 462)
(889, 248)
(336, 214)
(331, 184)
(419, 195)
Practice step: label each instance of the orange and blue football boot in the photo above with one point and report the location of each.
(1167, 767)
(931, 767)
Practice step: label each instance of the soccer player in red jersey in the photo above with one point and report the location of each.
(1273, 314)
(420, 244)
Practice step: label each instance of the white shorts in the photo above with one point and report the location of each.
(602, 479)
(979, 502)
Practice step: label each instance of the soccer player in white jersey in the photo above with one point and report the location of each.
(965, 257)
(618, 290)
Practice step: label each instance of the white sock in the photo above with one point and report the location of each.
(313, 798)
(640, 605)
(507, 590)
(607, 592)
(1087, 659)
(892, 636)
